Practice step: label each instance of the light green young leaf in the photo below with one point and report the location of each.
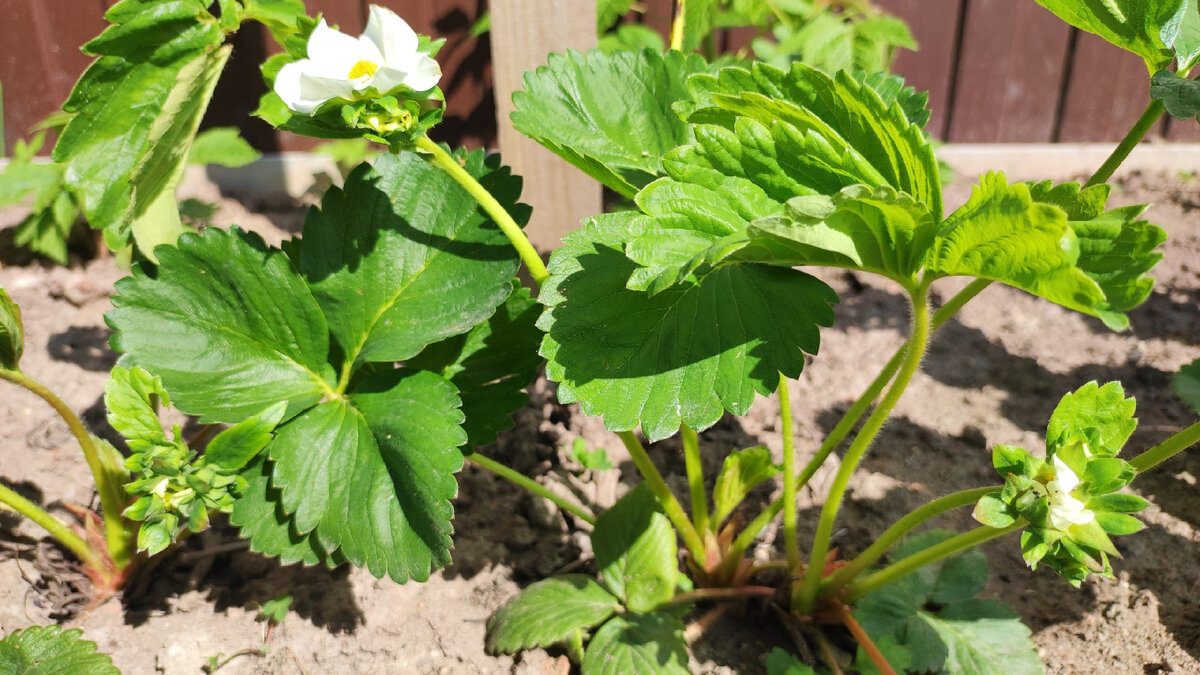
(237, 445)
(1187, 39)
(222, 145)
(549, 612)
(631, 37)
(138, 105)
(47, 230)
(50, 650)
(1186, 384)
(491, 366)
(131, 397)
(636, 551)
(1145, 27)
(1179, 95)
(741, 472)
(697, 23)
(638, 643)
(403, 257)
(680, 355)
(1104, 411)
(608, 114)
(12, 332)
(274, 611)
(279, 16)
(892, 89)
(1003, 235)
(608, 11)
(160, 224)
(227, 324)
(981, 637)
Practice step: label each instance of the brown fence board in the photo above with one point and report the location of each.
(1108, 88)
(1010, 73)
(934, 24)
(658, 16)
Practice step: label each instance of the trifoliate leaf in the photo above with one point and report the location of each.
(638, 643)
(1105, 410)
(1003, 235)
(608, 114)
(549, 612)
(227, 324)
(1144, 27)
(491, 366)
(681, 355)
(1186, 384)
(1179, 95)
(402, 256)
(636, 551)
(1116, 249)
(234, 447)
(12, 332)
(741, 472)
(372, 474)
(222, 145)
(50, 650)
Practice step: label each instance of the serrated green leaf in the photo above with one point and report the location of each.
(276, 609)
(892, 89)
(491, 366)
(631, 37)
(227, 324)
(636, 551)
(402, 256)
(608, 11)
(221, 145)
(741, 472)
(49, 650)
(1105, 410)
(780, 662)
(549, 612)
(1138, 26)
(983, 637)
(1186, 42)
(138, 105)
(46, 231)
(638, 643)
(131, 397)
(279, 16)
(372, 474)
(1003, 235)
(949, 579)
(1009, 459)
(40, 182)
(608, 114)
(12, 332)
(258, 512)
(237, 445)
(681, 355)
(1179, 95)
(1186, 384)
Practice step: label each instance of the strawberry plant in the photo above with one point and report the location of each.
(364, 361)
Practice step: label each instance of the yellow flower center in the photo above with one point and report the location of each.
(362, 69)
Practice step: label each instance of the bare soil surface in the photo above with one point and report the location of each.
(993, 375)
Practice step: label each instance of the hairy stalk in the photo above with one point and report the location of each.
(1153, 111)
(112, 493)
(529, 255)
(533, 486)
(902, 527)
(695, 476)
(807, 597)
(865, 641)
(666, 499)
(57, 529)
(1167, 449)
(789, 477)
(912, 563)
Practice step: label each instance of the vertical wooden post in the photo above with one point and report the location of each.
(524, 32)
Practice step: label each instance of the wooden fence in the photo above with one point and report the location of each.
(996, 70)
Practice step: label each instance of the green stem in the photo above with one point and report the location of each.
(1153, 111)
(902, 527)
(529, 255)
(533, 486)
(57, 529)
(1167, 449)
(695, 476)
(807, 595)
(918, 560)
(662, 492)
(677, 25)
(112, 494)
(702, 594)
(789, 477)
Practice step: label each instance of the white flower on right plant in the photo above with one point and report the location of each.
(384, 57)
(1065, 510)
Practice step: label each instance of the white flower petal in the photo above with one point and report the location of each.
(393, 36)
(332, 48)
(1064, 478)
(287, 87)
(424, 75)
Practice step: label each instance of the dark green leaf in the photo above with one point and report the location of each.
(49, 650)
(636, 551)
(403, 257)
(1186, 384)
(1179, 95)
(227, 324)
(237, 445)
(638, 643)
(1009, 459)
(608, 114)
(549, 612)
(949, 579)
(741, 472)
(1139, 26)
(222, 145)
(12, 332)
(780, 662)
(491, 366)
(259, 513)
(982, 637)
(678, 355)
(1104, 410)
(1187, 39)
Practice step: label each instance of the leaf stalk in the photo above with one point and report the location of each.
(791, 546)
(1167, 449)
(57, 529)
(695, 476)
(1136, 133)
(521, 480)
(666, 499)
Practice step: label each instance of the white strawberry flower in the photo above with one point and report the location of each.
(1065, 510)
(383, 58)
